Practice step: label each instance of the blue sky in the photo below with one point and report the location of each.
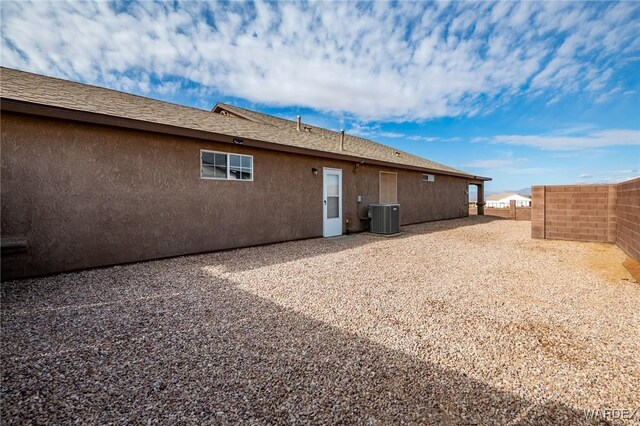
(527, 93)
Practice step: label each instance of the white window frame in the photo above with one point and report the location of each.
(228, 165)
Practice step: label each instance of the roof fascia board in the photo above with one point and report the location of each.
(12, 105)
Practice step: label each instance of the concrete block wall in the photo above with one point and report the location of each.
(628, 217)
(511, 213)
(612, 215)
(538, 208)
(599, 213)
(577, 213)
(504, 213)
(520, 213)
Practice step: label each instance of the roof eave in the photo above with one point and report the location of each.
(13, 105)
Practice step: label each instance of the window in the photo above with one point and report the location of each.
(220, 165)
(388, 187)
(428, 178)
(213, 165)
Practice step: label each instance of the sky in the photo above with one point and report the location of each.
(527, 93)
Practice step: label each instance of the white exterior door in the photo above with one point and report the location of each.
(332, 202)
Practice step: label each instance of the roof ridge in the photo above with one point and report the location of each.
(251, 111)
(233, 107)
(347, 135)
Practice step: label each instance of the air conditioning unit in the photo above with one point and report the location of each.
(385, 218)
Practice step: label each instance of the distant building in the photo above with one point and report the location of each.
(502, 200)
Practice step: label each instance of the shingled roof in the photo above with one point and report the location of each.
(236, 122)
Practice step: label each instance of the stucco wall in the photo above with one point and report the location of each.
(85, 195)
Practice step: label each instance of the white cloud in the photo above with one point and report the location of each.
(561, 141)
(585, 176)
(366, 131)
(513, 166)
(374, 61)
(480, 139)
(375, 131)
(495, 163)
(618, 179)
(424, 138)
(608, 96)
(582, 154)
(392, 135)
(434, 138)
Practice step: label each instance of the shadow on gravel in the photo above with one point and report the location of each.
(273, 254)
(212, 353)
(104, 285)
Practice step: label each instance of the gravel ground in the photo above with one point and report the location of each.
(467, 321)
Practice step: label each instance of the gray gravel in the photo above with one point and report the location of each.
(467, 321)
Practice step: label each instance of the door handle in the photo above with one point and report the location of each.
(325, 201)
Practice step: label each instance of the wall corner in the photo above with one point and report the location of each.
(538, 194)
(612, 202)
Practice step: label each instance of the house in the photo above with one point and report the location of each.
(93, 177)
(503, 199)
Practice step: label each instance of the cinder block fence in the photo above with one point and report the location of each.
(600, 213)
(511, 213)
